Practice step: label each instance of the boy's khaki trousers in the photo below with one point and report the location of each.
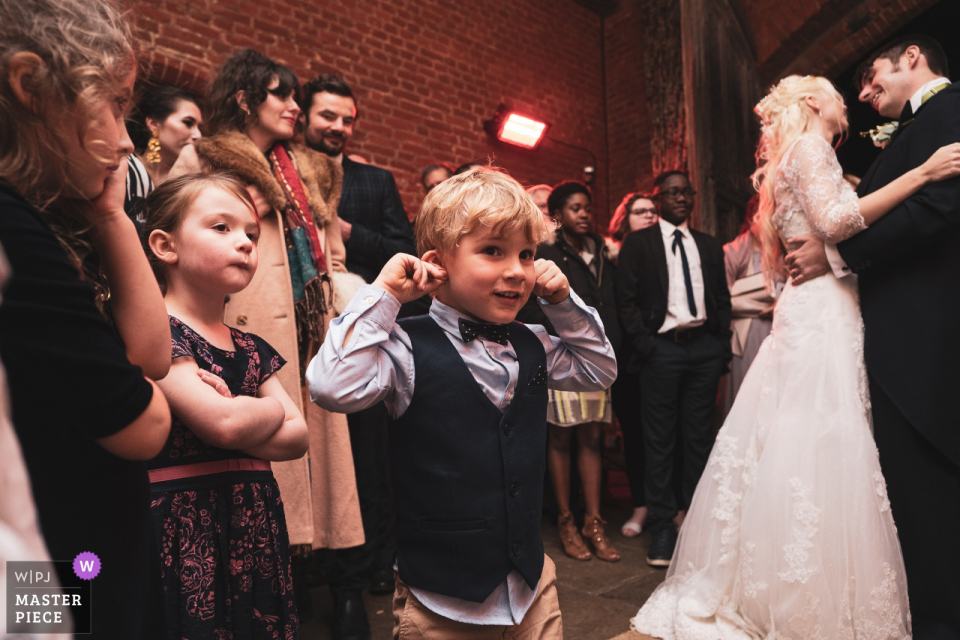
(413, 621)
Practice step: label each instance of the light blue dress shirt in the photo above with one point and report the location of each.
(376, 363)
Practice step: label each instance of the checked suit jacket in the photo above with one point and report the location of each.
(908, 264)
(371, 203)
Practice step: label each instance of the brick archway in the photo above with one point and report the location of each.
(823, 36)
(158, 67)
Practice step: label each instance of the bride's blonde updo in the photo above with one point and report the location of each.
(784, 115)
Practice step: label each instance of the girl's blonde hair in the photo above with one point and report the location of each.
(86, 52)
(166, 205)
(480, 197)
(784, 117)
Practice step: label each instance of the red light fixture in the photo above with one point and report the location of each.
(522, 131)
(516, 129)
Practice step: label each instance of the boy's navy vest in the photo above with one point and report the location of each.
(468, 479)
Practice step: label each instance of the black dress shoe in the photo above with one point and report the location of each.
(381, 582)
(350, 617)
(661, 547)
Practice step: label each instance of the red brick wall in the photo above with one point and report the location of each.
(629, 136)
(427, 73)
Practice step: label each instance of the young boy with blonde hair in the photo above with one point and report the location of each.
(466, 387)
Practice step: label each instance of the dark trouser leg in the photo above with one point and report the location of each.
(698, 393)
(660, 381)
(386, 553)
(353, 565)
(924, 491)
(678, 468)
(626, 404)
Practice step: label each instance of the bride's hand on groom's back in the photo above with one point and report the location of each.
(809, 260)
(943, 164)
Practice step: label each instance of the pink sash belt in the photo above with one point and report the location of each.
(207, 468)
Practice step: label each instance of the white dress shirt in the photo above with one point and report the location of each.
(839, 267)
(377, 364)
(678, 308)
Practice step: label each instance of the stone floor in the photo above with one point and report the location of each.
(597, 598)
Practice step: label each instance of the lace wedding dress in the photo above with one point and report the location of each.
(789, 534)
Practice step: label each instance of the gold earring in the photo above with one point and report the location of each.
(153, 148)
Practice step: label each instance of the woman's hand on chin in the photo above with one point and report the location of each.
(108, 206)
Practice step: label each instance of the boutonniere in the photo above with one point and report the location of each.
(882, 134)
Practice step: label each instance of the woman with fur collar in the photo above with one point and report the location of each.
(253, 117)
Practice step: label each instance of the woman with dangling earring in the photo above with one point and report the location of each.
(167, 120)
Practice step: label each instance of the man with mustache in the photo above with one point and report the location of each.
(675, 309)
(908, 268)
(374, 227)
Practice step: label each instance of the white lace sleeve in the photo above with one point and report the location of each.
(815, 176)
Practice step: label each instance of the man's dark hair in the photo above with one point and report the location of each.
(430, 168)
(894, 50)
(252, 72)
(660, 179)
(467, 166)
(561, 192)
(330, 84)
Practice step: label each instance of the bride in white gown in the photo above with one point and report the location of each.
(789, 534)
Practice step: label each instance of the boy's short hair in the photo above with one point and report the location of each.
(485, 196)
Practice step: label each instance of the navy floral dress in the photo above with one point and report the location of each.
(224, 551)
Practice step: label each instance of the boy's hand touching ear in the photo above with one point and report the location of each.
(551, 284)
(407, 278)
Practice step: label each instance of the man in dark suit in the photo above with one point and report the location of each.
(909, 270)
(373, 221)
(675, 309)
(374, 226)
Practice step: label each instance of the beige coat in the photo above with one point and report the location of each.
(319, 491)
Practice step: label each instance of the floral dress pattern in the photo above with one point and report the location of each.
(224, 552)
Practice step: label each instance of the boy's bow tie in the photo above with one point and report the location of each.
(499, 333)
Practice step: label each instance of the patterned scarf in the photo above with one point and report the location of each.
(308, 268)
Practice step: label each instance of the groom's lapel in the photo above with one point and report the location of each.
(906, 117)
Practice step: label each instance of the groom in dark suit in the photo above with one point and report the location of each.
(909, 273)
(674, 307)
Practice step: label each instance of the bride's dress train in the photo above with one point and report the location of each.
(789, 534)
